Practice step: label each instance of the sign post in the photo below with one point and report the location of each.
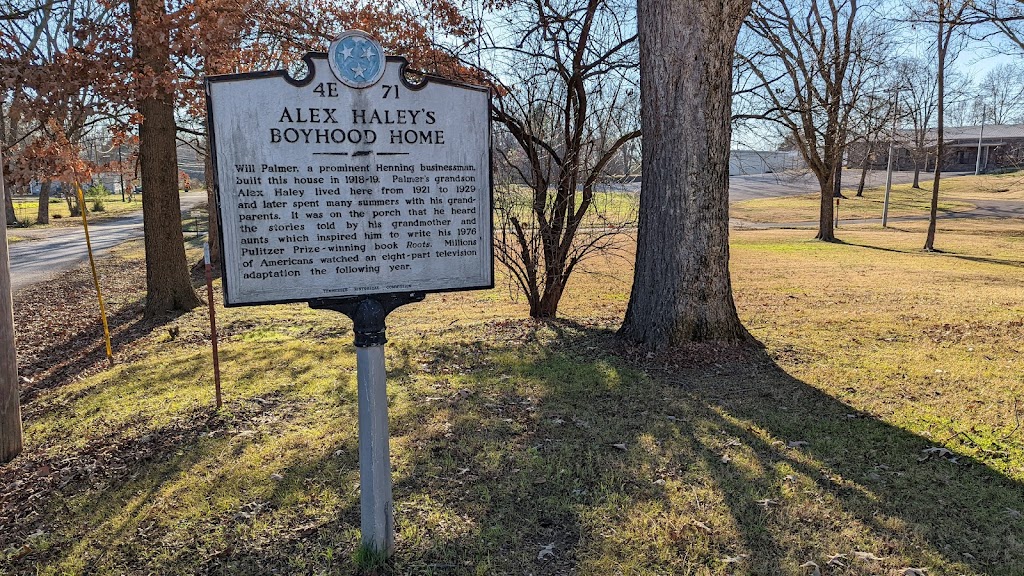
(377, 519)
(358, 188)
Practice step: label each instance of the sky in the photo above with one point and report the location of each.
(975, 60)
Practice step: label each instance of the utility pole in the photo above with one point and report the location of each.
(10, 400)
(981, 135)
(892, 149)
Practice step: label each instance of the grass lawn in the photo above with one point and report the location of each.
(1009, 186)
(903, 201)
(878, 430)
(610, 207)
(28, 209)
(955, 195)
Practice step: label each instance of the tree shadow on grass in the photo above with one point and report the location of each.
(546, 450)
(978, 259)
(805, 475)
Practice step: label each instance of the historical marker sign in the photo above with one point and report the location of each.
(352, 181)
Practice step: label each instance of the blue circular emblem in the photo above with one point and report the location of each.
(356, 59)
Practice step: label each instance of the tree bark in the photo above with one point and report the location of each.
(168, 283)
(826, 231)
(10, 400)
(11, 217)
(864, 170)
(837, 185)
(547, 306)
(43, 212)
(940, 85)
(681, 287)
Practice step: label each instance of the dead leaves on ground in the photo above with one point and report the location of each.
(58, 329)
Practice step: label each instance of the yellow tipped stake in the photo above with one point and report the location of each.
(95, 275)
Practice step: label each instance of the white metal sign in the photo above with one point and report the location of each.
(352, 181)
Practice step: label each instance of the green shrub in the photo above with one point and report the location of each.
(97, 190)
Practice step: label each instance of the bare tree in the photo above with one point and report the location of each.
(681, 287)
(1000, 95)
(565, 88)
(870, 123)
(1001, 21)
(50, 98)
(815, 62)
(920, 100)
(950, 18)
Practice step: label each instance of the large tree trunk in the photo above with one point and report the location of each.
(168, 284)
(10, 399)
(43, 212)
(681, 287)
(917, 175)
(826, 231)
(11, 217)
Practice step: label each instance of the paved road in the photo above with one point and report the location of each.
(754, 186)
(50, 251)
(983, 209)
(794, 184)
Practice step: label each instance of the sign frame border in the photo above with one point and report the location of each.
(308, 59)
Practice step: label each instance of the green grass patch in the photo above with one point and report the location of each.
(111, 206)
(609, 208)
(99, 206)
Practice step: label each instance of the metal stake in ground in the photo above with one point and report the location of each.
(95, 275)
(377, 516)
(213, 322)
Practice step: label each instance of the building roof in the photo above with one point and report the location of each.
(987, 132)
(991, 134)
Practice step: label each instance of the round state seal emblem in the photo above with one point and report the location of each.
(356, 59)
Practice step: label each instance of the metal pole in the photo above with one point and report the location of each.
(888, 169)
(377, 516)
(213, 322)
(368, 314)
(95, 275)
(10, 399)
(981, 135)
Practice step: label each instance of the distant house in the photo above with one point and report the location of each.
(742, 162)
(1001, 147)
